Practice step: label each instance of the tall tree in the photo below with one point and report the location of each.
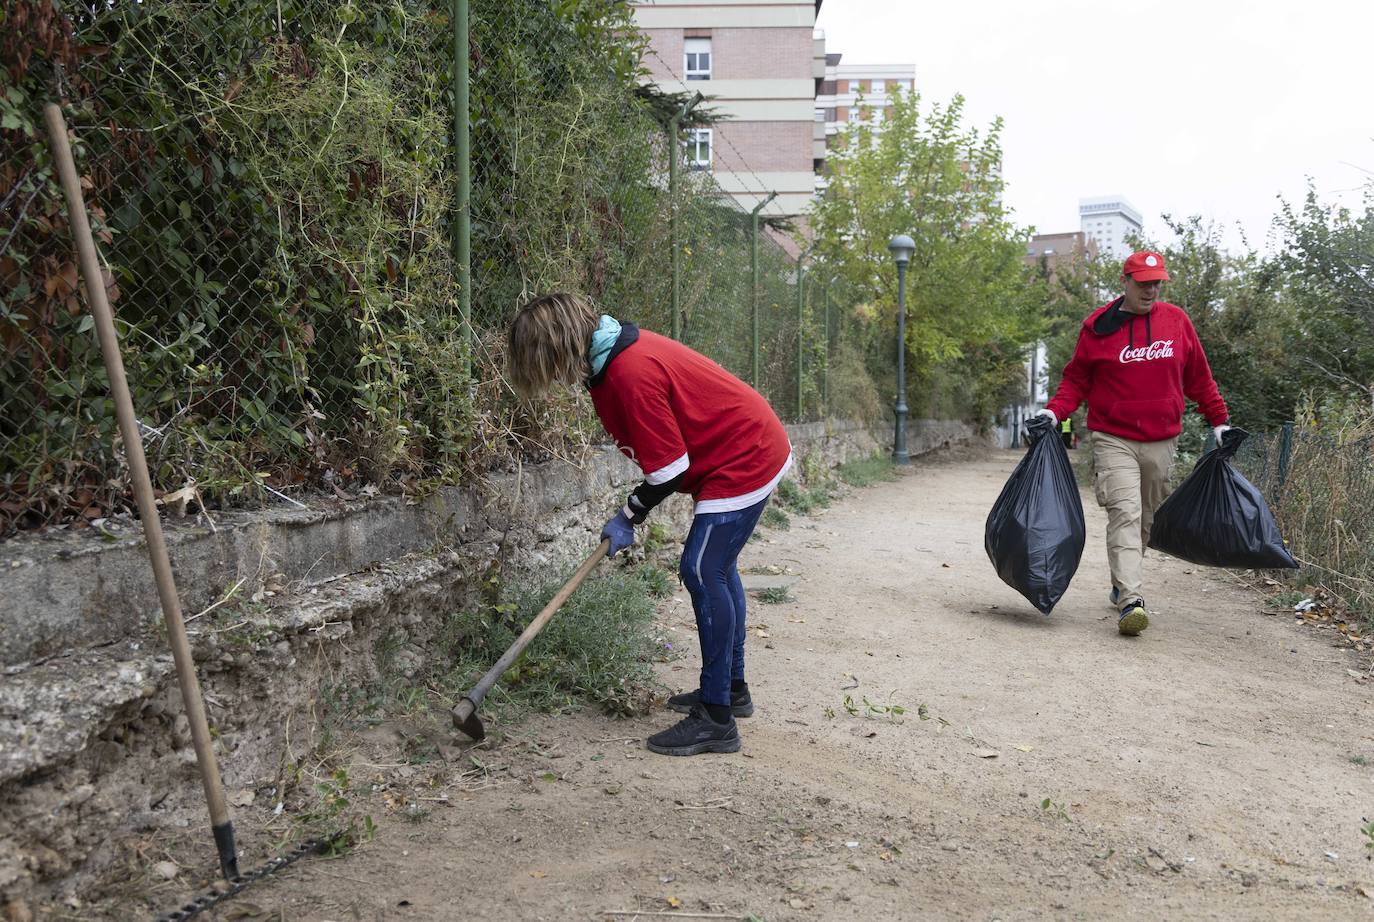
(971, 305)
(1329, 255)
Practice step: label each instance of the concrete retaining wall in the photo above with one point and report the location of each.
(93, 745)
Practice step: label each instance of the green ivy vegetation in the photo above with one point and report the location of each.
(273, 188)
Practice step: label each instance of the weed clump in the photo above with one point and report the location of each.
(597, 650)
(865, 472)
(773, 517)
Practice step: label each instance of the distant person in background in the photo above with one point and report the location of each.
(692, 427)
(1136, 360)
(1066, 431)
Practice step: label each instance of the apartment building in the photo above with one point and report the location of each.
(854, 92)
(761, 63)
(1060, 252)
(1107, 220)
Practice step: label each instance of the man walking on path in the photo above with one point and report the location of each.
(1136, 360)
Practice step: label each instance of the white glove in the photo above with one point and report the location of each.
(1217, 431)
(1054, 420)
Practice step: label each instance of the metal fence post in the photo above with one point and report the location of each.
(801, 331)
(674, 154)
(754, 276)
(1285, 451)
(675, 296)
(462, 244)
(825, 368)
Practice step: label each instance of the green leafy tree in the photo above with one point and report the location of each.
(971, 304)
(1329, 259)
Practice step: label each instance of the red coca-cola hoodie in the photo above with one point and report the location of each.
(1135, 370)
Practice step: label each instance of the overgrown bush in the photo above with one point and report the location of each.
(1320, 493)
(272, 186)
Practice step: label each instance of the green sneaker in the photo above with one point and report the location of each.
(1132, 619)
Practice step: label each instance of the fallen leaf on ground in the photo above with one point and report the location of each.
(1023, 748)
(539, 873)
(986, 753)
(673, 902)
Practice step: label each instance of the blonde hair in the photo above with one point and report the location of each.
(548, 343)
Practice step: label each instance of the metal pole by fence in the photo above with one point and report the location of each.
(801, 331)
(825, 367)
(675, 258)
(755, 380)
(674, 155)
(1285, 451)
(462, 243)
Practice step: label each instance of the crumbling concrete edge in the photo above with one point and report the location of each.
(79, 770)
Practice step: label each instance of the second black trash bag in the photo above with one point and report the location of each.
(1217, 518)
(1035, 532)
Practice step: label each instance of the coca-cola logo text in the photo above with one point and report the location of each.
(1164, 349)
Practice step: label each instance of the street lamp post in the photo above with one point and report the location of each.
(901, 247)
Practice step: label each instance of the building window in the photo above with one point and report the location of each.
(696, 56)
(698, 146)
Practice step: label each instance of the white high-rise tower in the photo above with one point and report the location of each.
(1107, 220)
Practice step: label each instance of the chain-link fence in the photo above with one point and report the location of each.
(1320, 488)
(275, 192)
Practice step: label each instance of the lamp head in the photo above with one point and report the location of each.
(901, 247)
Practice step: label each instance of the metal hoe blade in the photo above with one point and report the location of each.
(465, 717)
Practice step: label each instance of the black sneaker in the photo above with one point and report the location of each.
(694, 734)
(1133, 618)
(741, 705)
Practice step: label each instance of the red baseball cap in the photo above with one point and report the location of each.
(1145, 266)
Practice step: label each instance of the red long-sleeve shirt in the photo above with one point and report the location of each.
(675, 412)
(1135, 376)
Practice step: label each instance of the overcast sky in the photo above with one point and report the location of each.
(1211, 107)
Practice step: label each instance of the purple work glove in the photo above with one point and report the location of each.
(620, 531)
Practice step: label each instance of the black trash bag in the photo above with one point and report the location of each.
(1035, 532)
(1217, 518)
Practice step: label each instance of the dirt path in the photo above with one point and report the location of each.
(1208, 769)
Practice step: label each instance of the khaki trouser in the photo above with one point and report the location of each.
(1132, 479)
